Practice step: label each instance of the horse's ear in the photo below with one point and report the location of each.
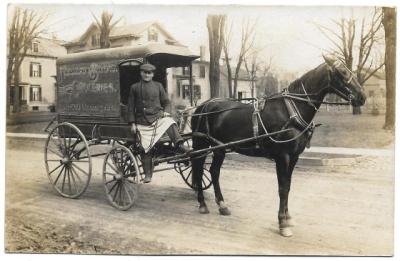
(330, 61)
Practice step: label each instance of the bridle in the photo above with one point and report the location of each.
(308, 97)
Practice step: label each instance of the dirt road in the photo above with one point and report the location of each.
(338, 211)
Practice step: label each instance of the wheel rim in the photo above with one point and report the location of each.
(68, 161)
(185, 170)
(121, 177)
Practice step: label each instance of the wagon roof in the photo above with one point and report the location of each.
(166, 52)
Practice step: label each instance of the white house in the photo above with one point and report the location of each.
(37, 71)
(127, 35)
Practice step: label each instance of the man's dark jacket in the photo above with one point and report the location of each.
(147, 101)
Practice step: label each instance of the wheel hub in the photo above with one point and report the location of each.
(118, 176)
(65, 160)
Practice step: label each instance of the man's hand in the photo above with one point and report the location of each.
(133, 128)
(166, 114)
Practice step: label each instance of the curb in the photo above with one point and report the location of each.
(315, 156)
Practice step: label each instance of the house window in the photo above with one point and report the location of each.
(371, 93)
(202, 71)
(35, 93)
(35, 47)
(196, 92)
(185, 71)
(241, 95)
(35, 70)
(153, 35)
(186, 91)
(95, 39)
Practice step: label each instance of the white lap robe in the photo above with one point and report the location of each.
(146, 132)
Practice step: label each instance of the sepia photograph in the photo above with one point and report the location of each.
(149, 129)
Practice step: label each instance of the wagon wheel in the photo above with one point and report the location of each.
(185, 170)
(121, 177)
(68, 161)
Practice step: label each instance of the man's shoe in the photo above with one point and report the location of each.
(147, 178)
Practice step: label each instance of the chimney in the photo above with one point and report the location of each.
(202, 53)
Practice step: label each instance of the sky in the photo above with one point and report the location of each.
(288, 34)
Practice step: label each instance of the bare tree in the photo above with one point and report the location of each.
(343, 39)
(24, 27)
(226, 44)
(389, 23)
(215, 26)
(105, 26)
(246, 43)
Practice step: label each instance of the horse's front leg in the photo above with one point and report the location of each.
(284, 168)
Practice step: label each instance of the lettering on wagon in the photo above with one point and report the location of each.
(82, 107)
(92, 70)
(77, 88)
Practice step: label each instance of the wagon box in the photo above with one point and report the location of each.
(93, 86)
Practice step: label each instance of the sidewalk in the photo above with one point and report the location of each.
(351, 151)
(314, 149)
(30, 117)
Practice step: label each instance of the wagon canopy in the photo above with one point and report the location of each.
(167, 55)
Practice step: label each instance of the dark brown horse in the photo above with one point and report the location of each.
(294, 109)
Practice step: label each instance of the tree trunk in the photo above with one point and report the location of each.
(389, 23)
(8, 87)
(215, 25)
(16, 101)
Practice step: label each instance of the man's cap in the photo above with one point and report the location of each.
(147, 67)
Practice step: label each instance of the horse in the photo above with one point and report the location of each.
(292, 109)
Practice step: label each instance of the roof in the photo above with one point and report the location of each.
(48, 47)
(153, 50)
(131, 30)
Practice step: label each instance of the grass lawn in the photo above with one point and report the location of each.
(342, 129)
(339, 129)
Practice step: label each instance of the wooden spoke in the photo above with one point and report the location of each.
(81, 170)
(76, 175)
(55, 168)
(55, 152)
(59, 174)
(62, 187)
(112, 167)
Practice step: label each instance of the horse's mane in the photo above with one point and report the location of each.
(296, 85)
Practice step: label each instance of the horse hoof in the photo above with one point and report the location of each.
(204, 210)
(286, 232)
(224, 211)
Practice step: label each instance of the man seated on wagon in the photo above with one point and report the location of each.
(149, 114)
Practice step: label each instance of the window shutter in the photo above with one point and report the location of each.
(30, 70)
(40, 70)
(30, 93)
(40, 94)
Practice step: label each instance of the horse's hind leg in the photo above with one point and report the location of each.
(215, 169)
(197, 168)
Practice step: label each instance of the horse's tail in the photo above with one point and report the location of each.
(199, 125)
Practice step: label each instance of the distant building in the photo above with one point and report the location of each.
(37, 75)
(243, 83)
(179, 84)
(127, 35)
(375, 90)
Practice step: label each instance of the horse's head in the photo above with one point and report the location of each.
(343, 82)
